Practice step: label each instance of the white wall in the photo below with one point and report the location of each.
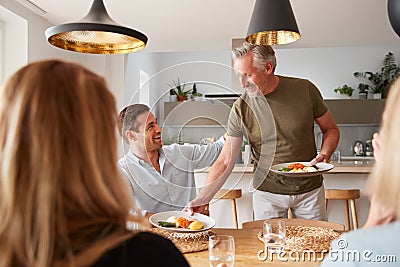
(211, 72)
(25, 42)
(328, 68)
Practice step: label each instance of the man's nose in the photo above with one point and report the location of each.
(158, 128)
(244, 81)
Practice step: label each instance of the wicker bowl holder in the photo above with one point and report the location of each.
(186, 242)
(302, 238)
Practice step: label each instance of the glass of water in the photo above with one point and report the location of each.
(274, 235)
(221, 250)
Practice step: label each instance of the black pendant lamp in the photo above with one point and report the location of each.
(393, 9)
(96, 33)
(272, 23)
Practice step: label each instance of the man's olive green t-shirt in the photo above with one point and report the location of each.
(294, 104)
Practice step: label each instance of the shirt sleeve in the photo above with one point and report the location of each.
(234, 125)
(320, 107)
(205, 155)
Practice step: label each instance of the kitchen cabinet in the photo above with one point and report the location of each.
(356, 111)
(195, 113)
(214, 112)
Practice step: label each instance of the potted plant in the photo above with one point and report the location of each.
(172, 95)
(380, 81)
(179, 88)
(345, 91)
(377, 91)
(363, 90)
(196, 95)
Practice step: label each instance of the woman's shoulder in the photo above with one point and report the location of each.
(390, 229)
(365, 247)
(142, 249)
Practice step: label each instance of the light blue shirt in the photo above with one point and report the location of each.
(175, 186)
(376, 246)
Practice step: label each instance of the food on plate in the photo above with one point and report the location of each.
(196, 225)
(298, 167)
(181, 222)
(171, 219)
(166, 224)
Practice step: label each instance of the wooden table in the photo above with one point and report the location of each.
(247, 247)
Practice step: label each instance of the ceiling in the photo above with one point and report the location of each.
(206, 25)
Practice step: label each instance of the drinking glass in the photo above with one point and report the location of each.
(221, 250)
(274, 235)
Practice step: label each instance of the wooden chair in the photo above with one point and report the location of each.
(232, 194)
(290, 213)
(349, 195)
(290, 222)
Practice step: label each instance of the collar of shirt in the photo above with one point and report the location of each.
(141, 162)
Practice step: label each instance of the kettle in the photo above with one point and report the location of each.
(368, 148)
(358, 148)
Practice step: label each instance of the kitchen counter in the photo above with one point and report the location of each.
(343, 176)
(239, 168)
(339, 168)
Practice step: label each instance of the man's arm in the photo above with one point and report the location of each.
(330, 137)
(218, 174)
(205, 155)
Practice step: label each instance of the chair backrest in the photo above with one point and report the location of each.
(289, 222)
(228, 194)
(231, 194)
(342, 194)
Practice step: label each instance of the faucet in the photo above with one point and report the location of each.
(319, 140)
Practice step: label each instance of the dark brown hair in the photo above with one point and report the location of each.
(128, 116)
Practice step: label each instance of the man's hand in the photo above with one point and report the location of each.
(320, 157)
(198, 209)
(197, 206)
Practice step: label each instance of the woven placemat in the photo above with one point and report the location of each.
(186, 242)
(300, 238)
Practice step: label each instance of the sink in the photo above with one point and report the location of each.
(357, 160)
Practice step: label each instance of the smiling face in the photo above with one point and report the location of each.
(149, 132)
(252, 79)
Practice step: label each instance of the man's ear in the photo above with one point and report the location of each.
(268, 68)
(131, 135)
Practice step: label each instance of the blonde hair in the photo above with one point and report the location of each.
(62, 200)
(384, 182)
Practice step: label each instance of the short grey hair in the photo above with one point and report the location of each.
(261, 54)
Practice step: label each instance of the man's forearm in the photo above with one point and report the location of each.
(219, 172)
(217, 176)
(329, 142)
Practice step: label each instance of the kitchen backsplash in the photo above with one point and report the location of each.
(348, 135)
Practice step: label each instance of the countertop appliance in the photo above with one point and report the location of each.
(358, 148)
(368, 148)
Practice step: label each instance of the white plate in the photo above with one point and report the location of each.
(163, 216)
(322, 168)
